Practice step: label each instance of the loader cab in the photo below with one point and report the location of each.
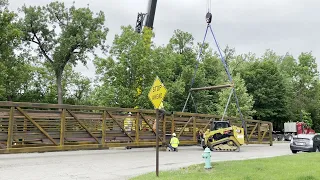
(215, 125)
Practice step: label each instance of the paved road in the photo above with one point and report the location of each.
(116, 164)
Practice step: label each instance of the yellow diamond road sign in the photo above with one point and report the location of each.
(157, 93)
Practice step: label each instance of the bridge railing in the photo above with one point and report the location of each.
(36, 127)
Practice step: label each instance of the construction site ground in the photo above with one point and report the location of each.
(118, 164)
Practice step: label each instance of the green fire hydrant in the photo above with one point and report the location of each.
(207, 158)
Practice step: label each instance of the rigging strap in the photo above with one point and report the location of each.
(196, 68)
(208, 19)
(231, 81)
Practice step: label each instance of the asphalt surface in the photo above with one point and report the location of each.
(117, 164)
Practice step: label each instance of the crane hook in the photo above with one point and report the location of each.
(208, 17)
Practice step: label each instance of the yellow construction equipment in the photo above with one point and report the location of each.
(223, 137)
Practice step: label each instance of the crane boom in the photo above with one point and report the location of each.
(151, 13)
(150, 17)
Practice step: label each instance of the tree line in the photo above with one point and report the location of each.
(40, 48)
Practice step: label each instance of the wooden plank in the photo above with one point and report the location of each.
(67, 106)
(181, 131)
(260, 140)
(194, 129)
(62, 126)
(137, 129)
(81, 124)
(259, 132)
(172, 124)
(104, 127)
(211, 87)
(270, 133)
(196, 114)
(10, 128)
(252, 132)
(37, 125)
(164, 129)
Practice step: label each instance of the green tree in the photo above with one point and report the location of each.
(126, 74)
(63, 35)
(265, 83)
(288, 69)
(305, 80)
(77, 87)
(15, 70)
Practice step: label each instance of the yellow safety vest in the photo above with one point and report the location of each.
(174, 142)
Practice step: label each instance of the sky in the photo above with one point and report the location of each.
(246, 25)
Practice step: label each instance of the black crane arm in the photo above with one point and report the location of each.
(151, 13)
(150, 17)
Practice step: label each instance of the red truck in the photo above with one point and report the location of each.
(291, 129)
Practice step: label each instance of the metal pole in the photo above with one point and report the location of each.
(157, 142)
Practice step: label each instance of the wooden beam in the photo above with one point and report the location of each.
(259, 132)
(184, 127)
(67, 106)
(211, 87)
(172, 124)
(255, 127)
(210, 121)
(137, 128)
(62, 126)
(114, 119)
(270, 133)
(263, 135)
(10, 128)
(194, 129)
(164, 129)
(37, 125)
(104, 127)
(75, 117)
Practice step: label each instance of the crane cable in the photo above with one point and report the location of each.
(208, 5)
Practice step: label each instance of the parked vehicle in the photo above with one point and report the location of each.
(305, 143)
(291, 129)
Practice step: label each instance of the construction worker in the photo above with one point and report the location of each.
(174, 142)
(129, 122)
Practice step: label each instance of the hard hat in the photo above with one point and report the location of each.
(130, 113)
(173, 134)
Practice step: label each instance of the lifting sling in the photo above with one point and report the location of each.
(233, 91)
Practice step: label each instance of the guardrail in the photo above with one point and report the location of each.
(39, 127)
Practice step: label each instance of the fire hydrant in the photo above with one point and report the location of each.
(207, 158)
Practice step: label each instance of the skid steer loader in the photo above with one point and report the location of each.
(223, 137)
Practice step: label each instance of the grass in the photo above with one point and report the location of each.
(304, 166)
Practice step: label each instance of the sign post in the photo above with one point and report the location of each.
(156, 96)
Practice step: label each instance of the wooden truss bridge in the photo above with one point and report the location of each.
(37, 127)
